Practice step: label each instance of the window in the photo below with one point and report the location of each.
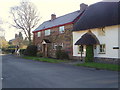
(38, 47)
(47, 32)
(80, 49)
(102, 48)
(39, 34)
(61, 44)
(56, 45)
(61, 29)
(101, 32)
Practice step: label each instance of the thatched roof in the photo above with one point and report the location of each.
(100, 14)
(88, 39)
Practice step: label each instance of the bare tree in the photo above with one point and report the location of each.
(25, 17)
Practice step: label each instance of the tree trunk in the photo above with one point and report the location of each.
(29, 37)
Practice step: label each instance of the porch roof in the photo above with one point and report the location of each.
(88, 39)
(46, 40)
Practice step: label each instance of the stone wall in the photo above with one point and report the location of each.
(57, 38)
(101, 60)
(107, 60)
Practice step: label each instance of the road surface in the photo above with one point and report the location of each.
(22, 73)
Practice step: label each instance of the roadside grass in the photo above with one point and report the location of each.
(98, 66)
(50, 60)
(112, 67)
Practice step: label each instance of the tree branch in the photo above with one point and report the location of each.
(25, 17)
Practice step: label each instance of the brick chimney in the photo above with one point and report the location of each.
(83, 6)
(16, 35)
(53, 16)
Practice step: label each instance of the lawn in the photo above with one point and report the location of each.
(50, 60)
(101, 66)
(112, 67)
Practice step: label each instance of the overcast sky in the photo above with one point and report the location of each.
(45, 7)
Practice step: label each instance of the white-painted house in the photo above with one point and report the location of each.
(99, 27)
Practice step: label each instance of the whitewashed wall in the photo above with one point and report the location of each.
(119, 41)
(110, 39)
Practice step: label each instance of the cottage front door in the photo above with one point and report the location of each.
(89, 53)
(45, 50)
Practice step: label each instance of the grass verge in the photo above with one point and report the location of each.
(112, 67)
(50, 60)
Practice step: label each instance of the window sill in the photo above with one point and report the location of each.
(61, 33)
(46, 35)
(80, 53)
(54, 49)
(102, 53)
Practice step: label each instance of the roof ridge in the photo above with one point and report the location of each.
(67, 14)
(102, 2)
(69, 17)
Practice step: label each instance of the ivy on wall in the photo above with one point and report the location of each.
(89, 53)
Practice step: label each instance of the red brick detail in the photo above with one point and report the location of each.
(53, 27)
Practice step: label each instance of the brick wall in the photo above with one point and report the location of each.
(57, 38)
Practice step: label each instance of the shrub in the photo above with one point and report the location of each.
(12, 46)
(31, 50)
(22, 51)
(39, 54)
(89, 54)
(8, 50)
(3, 49)
(61, 54)
(12, 51)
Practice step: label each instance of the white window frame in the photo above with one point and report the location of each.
(61, 29)
(55, 45)
(102, 49)
(47, 32)
(38, 34)
(79, 52)
(39, 47)
(61, 44)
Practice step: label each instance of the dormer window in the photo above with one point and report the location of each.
(61, 29)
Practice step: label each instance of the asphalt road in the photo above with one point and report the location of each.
(21, 73)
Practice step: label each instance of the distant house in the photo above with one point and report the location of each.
(57, 32)
(99, 27)
(17, 40)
